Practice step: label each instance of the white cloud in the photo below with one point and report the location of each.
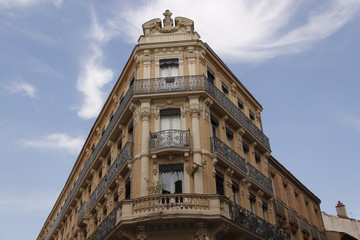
(57, 141)
(22, 88)
(5, 4)
(253, 30)
(352, 122)
(94, 75)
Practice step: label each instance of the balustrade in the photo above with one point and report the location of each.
(293, 218)
(280, 209)
(304, 226)
(83, 212)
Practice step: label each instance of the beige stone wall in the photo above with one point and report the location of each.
(337, 224)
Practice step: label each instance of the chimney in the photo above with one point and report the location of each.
(341, 210)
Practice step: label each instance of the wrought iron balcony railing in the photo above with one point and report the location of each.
(280, 209)
(169, 138)
(83, 212)
(125, 154)
(293, 218)
(217, 146)
(314, 233)
(256, 224)
(104, 227)
(198, 83)
(304, 226)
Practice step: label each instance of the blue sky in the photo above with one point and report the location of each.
(59, 60)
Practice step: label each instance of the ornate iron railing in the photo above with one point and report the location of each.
(304, 225)
(217, 146)
(105, 227)
(91, 159)
(314, 233)
(196, 83)
(169, 138)
(83, 212)
(280, 209)
(293, 218)
(125, 154)
(250, 221)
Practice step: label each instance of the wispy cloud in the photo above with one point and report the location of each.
(254, 30)
(352, 122)
(23, 88)
(57, 141)
(94, 75)
(6, 4)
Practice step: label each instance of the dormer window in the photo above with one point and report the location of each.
(169, 68)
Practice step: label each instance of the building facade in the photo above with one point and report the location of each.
(177, 151)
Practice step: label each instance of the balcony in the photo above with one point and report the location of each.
(200, 83)
(293, 218)
(229, 155)
(83, 213)
(185, 206)
(280, 209)
(304, 226)
(172, 139)
(314, 233)
(125, 154)
(254, 223)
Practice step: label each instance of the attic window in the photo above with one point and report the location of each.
(251, 115)
(240, 103)
(111, 116)
(225, 88)
(103, 131)
(122, 97)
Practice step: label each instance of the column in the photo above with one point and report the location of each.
(145, 136)
(195, 114)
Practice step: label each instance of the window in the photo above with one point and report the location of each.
(229, 137)
(235, 189)
(265, 211)
(214, 125)
(245, 147)
(252, 200)
(169, 68)
(210, 76)
(240, 104)
(108, 161)
(131, 131)
(251, 115)
(172, 178)
(219, 178)
(103, 131)
(100, 172)
(225, 88)
(170, 119)
(257, 160)
(128, 188)
(92, 148)
(116, 197)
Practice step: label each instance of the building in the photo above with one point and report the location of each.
(341, 227)
(297, 208)
(177, 151)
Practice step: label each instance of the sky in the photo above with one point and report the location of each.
(59, 60)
